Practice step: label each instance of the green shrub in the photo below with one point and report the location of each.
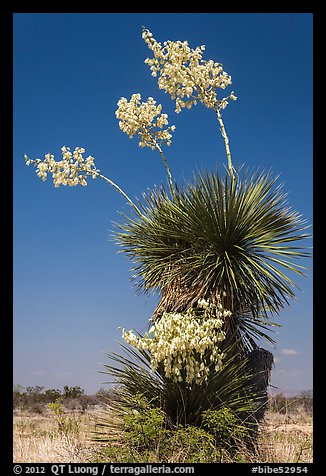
(73, 392)
(229, 432)
(66, 425)
(144, 426)
(145, 436)
(191, 444)
(52, 395)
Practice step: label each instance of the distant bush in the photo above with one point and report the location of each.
(303, 402)
(52, 395)
(36, 399)
(31, 398)
(104, 395)
(72, 392)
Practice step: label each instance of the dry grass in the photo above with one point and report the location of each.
(283, 439)
(286, 439)
(36, 439)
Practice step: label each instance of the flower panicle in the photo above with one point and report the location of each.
(185, 75)
(186, 343)
(71, 170)
(144, 119)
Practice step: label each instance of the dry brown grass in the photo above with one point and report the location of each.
(36, 439)
(283, 439)
(286, 439)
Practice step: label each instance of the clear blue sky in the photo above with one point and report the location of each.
(72, 288)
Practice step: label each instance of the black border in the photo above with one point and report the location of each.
(7, 10)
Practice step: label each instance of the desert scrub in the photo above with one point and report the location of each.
(66, 425)
(36, 438)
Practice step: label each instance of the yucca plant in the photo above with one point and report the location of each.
(221, 237)
(226, 238)
(227, 242)
(218, 236)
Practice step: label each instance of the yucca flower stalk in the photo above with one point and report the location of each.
(189, 79)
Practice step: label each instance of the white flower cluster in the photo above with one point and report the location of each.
(71, 170)
(186, 343)
(144, 119)
(185, 75)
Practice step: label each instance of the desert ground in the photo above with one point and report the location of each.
(285, 437)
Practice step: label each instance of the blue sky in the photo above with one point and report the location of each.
(72, 288)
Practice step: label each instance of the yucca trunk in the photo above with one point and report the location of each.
(259, 361)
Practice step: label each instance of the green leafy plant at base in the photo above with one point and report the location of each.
(227, 429)
(145, 437)
(151, 411)
(143, 427)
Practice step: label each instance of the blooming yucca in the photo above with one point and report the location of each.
(187, 344)
(226, 239)
(185, 75)
(144, 119)
(71, 170)
(188, 79)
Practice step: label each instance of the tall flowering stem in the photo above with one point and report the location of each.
(188, 78)
(72, 170)
(226, 141)
(167, 168)
(121, 192)
(146, 120)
